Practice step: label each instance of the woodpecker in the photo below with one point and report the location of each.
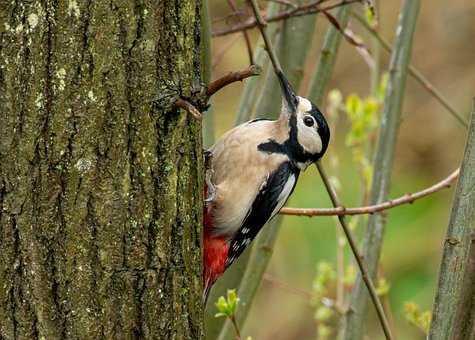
(252, 172)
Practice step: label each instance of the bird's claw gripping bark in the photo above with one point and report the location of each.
(210, 188)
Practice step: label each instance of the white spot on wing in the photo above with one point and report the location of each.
(245, 230)
(284, 194)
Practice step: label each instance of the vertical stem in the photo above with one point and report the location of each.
(376, 53)
(206, 70)
(456, 248)
(373, 239)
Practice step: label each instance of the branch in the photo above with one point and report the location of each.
(232, 77)
(217, 85)
(188, 107)
(311, 8)
(405, 199)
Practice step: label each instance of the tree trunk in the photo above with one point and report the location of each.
(100, 177)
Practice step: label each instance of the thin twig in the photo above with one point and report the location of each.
(327, 302)
(359, 260)
(233, 6)
(236, 328)
(311, 8)
(187, 106)
(228, 16)
(285, 2)
(351, 38)
(232, 77)
(364, 272)
(371, 209)
(415, 73)
(261, 24)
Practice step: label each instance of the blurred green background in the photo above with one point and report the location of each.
(430, 146)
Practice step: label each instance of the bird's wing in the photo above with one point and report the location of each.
(270, 199)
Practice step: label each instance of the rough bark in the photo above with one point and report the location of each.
(465, 318)
(100, 177)
(451, 313)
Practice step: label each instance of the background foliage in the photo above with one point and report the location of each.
(430, 145)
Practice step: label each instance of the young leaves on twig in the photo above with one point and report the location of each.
(227, 308)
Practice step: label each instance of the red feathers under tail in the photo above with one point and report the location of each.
(215, 255)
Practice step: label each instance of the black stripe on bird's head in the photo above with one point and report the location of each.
(309, 133)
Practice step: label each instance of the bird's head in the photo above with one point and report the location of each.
(309, 131)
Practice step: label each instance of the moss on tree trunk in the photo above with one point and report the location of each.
(100, 177)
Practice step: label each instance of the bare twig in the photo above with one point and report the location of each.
(285, 286)
(236, 327)
(187, 106)
(217, 85)
(327, 302)
(232, 77)
(351, 38)
(233, 6)
(416, 74)
(261, 24)
(228, 16)
(405, 199)
(311, 8)
(285, 2)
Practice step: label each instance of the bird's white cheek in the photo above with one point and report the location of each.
(309, 139)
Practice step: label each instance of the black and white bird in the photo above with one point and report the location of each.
(254, 169)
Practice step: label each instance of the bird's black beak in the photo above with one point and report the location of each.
(289, 93)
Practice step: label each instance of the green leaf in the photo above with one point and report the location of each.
(227, 306)
(370, 17)
(353, 106)
(383, 287)
(222, 305)
(233, 301)
(417, 318)
(382, 87)
(323, 314)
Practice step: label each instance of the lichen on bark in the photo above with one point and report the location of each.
(100, 177)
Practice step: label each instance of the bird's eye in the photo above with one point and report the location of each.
(308, 121)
